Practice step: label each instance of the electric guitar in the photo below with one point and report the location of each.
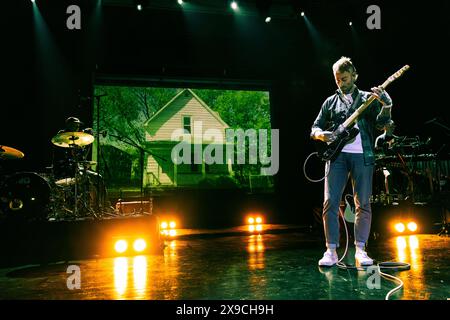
(345, 132)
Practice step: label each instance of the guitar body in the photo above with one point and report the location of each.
(330, 151)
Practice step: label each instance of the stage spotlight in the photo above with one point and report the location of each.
(168, 228)
(258, 227)
(350, 23)
(258, 220)
(268, 19)
(412, 226)
(234, 5)
(140, 4)
(251, 220)
(251, 228)
(139, 245)
(121, 246)
(302, 14)
(180, 2)
(400, 227)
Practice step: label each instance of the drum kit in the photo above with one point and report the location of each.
(32, 196)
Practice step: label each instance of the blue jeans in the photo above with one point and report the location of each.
(345, 165)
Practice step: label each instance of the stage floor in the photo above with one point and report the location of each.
(279, 265)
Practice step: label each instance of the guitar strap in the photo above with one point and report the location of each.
(354, 105)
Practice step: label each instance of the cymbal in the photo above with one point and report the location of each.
(7, 153)
(72, 139)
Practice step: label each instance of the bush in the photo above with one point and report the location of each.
(221, 182)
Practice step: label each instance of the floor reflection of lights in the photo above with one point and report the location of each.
(140, 276)
(120, 276)
(256, 263)
(122, 273)
(409, 251)
(171, 271)
(256, 249)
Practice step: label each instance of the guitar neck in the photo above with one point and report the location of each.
(351, 120)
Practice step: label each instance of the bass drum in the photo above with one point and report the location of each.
(26, 196)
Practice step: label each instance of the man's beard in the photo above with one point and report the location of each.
(347, 90)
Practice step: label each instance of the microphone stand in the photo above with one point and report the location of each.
(97, 97)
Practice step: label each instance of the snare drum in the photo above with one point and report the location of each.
(26, 195)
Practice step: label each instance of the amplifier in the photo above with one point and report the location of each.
(127, 208)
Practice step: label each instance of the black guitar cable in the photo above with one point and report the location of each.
(387, 265)
(327, 169)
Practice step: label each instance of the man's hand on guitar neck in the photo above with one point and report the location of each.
(382, 96)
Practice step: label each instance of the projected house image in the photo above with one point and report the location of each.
(146, 126)
(186, 111)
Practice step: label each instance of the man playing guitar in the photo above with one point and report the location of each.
(355, 159)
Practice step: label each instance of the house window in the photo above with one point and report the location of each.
(187, 123)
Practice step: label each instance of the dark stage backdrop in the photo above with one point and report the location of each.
(49, 71)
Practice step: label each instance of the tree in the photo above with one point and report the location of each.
(123, 113)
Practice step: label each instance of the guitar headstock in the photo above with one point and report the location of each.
(395, 76)
(399, 73)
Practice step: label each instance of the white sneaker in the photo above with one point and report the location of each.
(362, 258)
(329, 259)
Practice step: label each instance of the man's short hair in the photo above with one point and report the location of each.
(344, 64)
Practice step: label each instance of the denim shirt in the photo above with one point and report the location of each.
(334, 111)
